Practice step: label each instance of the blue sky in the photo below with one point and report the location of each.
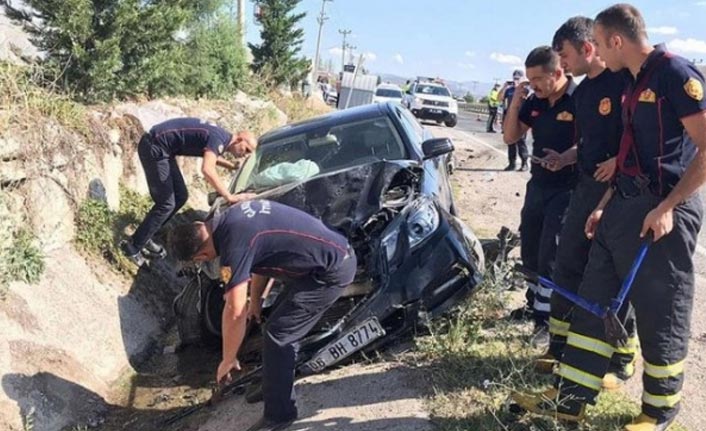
(467, 40)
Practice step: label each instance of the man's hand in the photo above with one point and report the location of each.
(605, 170)
(522, 90)
(592, 223)
(224, 369)
(660, 221)
(255, 311)
(553, 161)
(240, 197)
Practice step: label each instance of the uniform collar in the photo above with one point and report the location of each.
(572, 86)
(658, 52)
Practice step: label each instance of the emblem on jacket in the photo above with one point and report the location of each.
(605, 106)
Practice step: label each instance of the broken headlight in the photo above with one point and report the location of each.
(422, 221)
(389, 243)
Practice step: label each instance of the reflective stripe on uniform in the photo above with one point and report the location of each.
(661, 401)
(544, 291)
(558, 327)
(664, 371)
(542, 306)
(590, 344)
(629, 348)
(532, 287)
(580, 377)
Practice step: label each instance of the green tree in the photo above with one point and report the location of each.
(469, 98)
(216, 62)
(277, 57)
(100, 49)
(105, 49)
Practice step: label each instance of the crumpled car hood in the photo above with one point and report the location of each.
(345, 200)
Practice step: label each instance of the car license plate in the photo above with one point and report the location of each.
(435, 111)
(348, 343)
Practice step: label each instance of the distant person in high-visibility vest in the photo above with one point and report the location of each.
(493, 104)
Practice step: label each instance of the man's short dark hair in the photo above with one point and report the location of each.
(184, 241)
(543, 56)
(577, 31)
(625, 20)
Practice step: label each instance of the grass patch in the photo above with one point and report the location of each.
(477, 358)
(24, 260)
(100, 229)
(20, 257)
(23, 100)
(298, 108)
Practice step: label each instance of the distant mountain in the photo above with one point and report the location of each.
(458, 89)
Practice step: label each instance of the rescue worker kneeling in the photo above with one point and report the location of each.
(257, 240)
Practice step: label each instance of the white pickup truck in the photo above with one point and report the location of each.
(432, 101)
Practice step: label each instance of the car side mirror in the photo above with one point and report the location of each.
(212, 196)
(437, 147)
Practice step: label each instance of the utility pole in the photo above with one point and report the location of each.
(320, 19)
(345, 34)
(241, 20)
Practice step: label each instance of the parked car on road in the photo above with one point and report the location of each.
(375, 175)
(432, 101)
(388, 93)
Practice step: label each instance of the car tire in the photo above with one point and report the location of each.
(451, 122)
(189, 311)
(212, 305)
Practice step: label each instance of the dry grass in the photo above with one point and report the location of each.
(478, 358)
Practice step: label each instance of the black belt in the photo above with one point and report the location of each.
(631, 187)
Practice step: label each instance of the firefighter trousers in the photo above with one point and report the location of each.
(540, 225)
(571, 259)
(662, 295)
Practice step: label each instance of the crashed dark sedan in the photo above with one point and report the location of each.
(375, 175)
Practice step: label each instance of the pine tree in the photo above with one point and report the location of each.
(276, 58)
(106, 49)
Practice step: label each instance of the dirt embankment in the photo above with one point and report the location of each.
(72, 335)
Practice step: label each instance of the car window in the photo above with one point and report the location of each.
(413, 129)
(295, 158)
(388, 92)
(433, 90)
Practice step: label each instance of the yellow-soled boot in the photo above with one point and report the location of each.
(615, 380)
(646, 423)
(547, 403)
(611, 382)
(545, 364)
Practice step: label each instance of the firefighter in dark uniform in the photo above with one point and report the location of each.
(598, 131)
(158, 150)
(257, 240)
(549, 112)
(661, 165)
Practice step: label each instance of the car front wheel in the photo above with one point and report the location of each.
(451, 122)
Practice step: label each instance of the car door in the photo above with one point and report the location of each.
(436, 177)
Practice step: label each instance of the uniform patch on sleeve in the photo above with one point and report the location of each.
(647, 96)
(694, 89)
(534, 114)
(220, 149)
(605, 106)
(565, 116)
(226, 274)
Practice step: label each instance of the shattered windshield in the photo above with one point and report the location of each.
(319, 151)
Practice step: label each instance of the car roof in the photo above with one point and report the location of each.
(432, 84)
(350, 115)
